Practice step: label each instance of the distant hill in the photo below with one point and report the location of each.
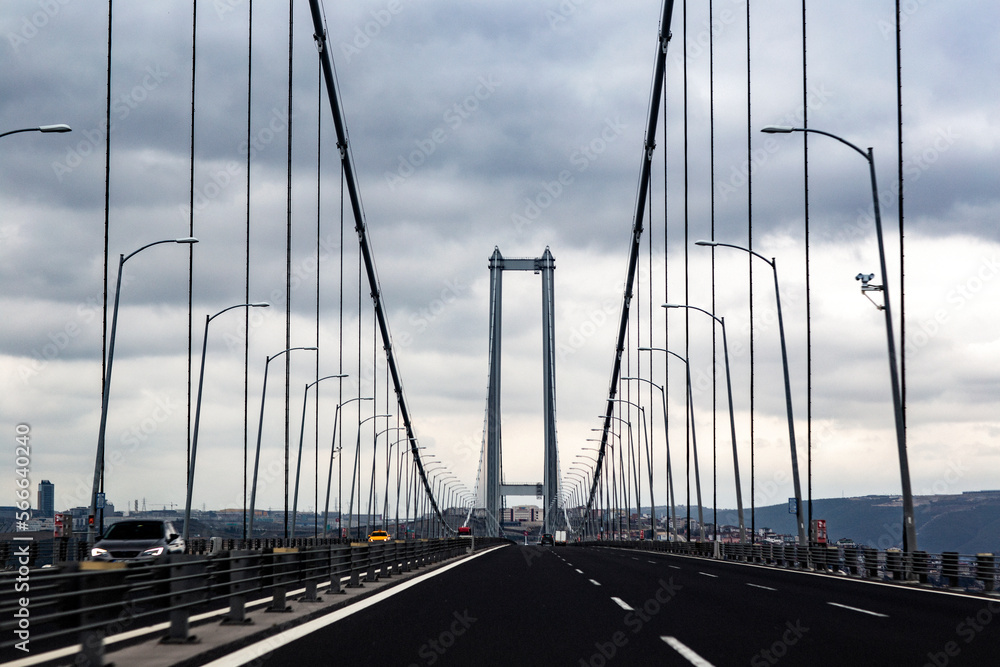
(968, 523)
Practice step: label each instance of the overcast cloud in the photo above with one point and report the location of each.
(514, 124)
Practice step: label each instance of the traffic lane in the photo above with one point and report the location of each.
(925, 626)
(699, 614)
(516, 605)
(776, 610)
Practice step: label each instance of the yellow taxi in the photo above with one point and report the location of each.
(378, 536)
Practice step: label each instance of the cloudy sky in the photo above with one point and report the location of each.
(516, 124)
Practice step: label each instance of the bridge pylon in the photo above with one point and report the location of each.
(495, 490)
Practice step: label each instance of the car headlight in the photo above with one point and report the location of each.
(155, 551)
(97, 551)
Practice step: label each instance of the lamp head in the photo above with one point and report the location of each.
(777, 129)
(260, 304)
(706, 243)
(188, 239)
(61, 127)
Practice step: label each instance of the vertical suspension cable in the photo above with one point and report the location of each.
(753, 499)
(687, 269)
(671, 499)
(319, 231)
(288, 254)
(340, 364)
(649, 338)
(805, 186)
(190, 322)
(902, 254)
(107, 224)
(711, 171)
(246, 288)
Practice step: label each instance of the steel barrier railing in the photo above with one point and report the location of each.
(92, 600)
(976, 573)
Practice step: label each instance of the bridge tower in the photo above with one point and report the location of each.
(545, 265)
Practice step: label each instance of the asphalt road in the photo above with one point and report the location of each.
(598, 606)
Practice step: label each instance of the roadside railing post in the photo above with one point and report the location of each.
(949, 568)
(986, 571)
(921, 566)
(186, 581)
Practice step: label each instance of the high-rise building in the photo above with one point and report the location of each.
(46, 499)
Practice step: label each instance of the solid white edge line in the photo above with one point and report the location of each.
(621, 603)
(690, 655)
(73, 649)
(863, 611)
(261, 648)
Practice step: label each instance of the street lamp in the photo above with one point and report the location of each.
(788, 387)
(694, 446)
(260, 429)
(302, 432)
(356, 475)
(388, 466)
(61, 127)
(373, 496)
(99, 464)
(670, 478)
(909, 525)
(732, 418)
(197, 412)
(638, 485)
(329, 476)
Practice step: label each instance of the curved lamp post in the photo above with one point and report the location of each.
(329, 476)
(302, 432)
(197, 412)
(670, 477)
(260, 429)
(694, 445)
(909, 525)
(357, 473)
(803, 541)
(61, 127)
(638, 484)
(99, 465)
(732, 418)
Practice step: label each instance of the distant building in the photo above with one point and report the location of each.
(522, 513)
(46, 499)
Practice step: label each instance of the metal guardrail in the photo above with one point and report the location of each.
(89, 600)
(974, 573)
